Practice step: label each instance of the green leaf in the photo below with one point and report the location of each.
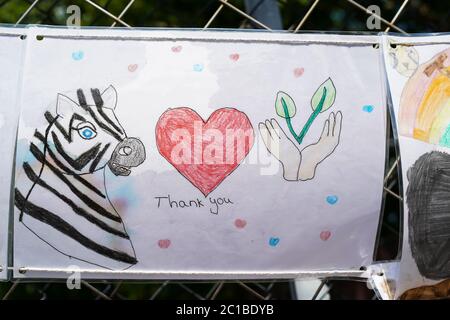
(285, 105)
(318, 100)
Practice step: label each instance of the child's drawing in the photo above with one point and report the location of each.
(67, 205)
(301, 164)
(212, 203)
(424, 115)
(424, 112)
(404, 59)
(204, 152)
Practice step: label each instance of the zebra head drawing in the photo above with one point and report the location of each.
(65, 202)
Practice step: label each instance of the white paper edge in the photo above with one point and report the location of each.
(9, 32)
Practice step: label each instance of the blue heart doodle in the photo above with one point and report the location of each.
(332, 199)
(198, 67)
(77, 55)
(274, 241)
(368, 108)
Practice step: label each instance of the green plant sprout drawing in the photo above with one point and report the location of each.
(301, 164)
(321, 101)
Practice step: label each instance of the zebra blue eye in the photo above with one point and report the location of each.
(87, 133)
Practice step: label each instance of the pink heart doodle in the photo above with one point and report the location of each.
(298, 72)
(325, 235)
(177, 48)
(234, 56)
(132, 67)
(240, 223)
(164, 243)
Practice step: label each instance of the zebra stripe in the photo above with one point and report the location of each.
(88, 201)
(80, 211)
(98, 158)
(93, 226)
(99, 104)
(86, 107)
(41, 138)
(59, 224)
(82, 160)
(66, 135)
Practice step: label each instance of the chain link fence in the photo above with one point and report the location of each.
(291, 15)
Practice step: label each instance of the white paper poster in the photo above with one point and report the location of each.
(186, 154)
(10, 65)
(418, 70)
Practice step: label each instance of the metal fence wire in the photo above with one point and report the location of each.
(296, 15)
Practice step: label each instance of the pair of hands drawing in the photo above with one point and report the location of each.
(301, 164)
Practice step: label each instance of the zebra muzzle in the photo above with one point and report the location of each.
(127, 154)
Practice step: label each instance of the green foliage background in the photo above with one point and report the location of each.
(330, 15)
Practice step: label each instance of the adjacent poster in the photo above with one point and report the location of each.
(11, 45)
(187, 154)
(418, 70)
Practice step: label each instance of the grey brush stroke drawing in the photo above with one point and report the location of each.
(428, 200)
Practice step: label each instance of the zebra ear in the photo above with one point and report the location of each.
(65, 106)
(109, 97)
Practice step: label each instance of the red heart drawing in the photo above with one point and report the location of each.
(298, 72)
(234, 56)
(164, 243)
(325, 235)
(132, 67)
(177, 48)
(204, 152)
(240, 223)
